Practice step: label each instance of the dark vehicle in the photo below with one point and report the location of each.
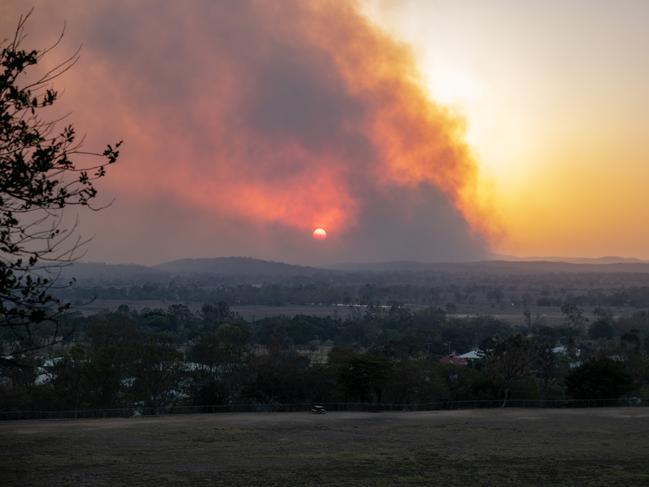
(317, 409)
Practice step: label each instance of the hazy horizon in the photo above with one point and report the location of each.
(605, 259)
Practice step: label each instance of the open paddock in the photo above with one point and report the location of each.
(588, 447)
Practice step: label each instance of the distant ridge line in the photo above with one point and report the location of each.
(235, 265)
(251, 267)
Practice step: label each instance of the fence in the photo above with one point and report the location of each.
(304, 407)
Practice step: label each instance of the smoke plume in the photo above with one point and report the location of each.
(247, 124)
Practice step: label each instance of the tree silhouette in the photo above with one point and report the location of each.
(599, 378)
(509, 359)
(43, 171)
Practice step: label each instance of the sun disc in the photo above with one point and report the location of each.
(319, 234)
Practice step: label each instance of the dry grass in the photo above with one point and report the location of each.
(597, 447)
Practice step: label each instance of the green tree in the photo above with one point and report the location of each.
(545, 368)
(157, 372)
(598, 378)
(114, 344)
(221, 354)
(226, 346)
(40, 176)
(601, 330)
(214, 314)
(69, 379)
(508, 360)
(574, 316)
(365, 376)
(278, 376)
(416, 380)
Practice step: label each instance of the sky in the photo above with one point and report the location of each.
(408, 130)
(556, 98)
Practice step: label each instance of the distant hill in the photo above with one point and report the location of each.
(236, 266)
(246, 268)
(500, 266)
(390, 266)
(608, 259)
(543, 267)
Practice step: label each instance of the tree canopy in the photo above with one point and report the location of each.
(43, 171)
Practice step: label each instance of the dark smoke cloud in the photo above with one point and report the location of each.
(247, 124)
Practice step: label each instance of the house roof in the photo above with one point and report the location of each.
(472, 355)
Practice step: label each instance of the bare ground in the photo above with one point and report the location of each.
(593, 447)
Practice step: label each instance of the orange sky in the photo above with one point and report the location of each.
(557, 107)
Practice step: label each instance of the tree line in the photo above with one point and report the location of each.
(158, 358)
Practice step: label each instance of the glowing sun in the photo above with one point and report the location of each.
(319, 234)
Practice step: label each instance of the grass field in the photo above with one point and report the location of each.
(591, 447)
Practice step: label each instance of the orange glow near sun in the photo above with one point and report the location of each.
(320, 234)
